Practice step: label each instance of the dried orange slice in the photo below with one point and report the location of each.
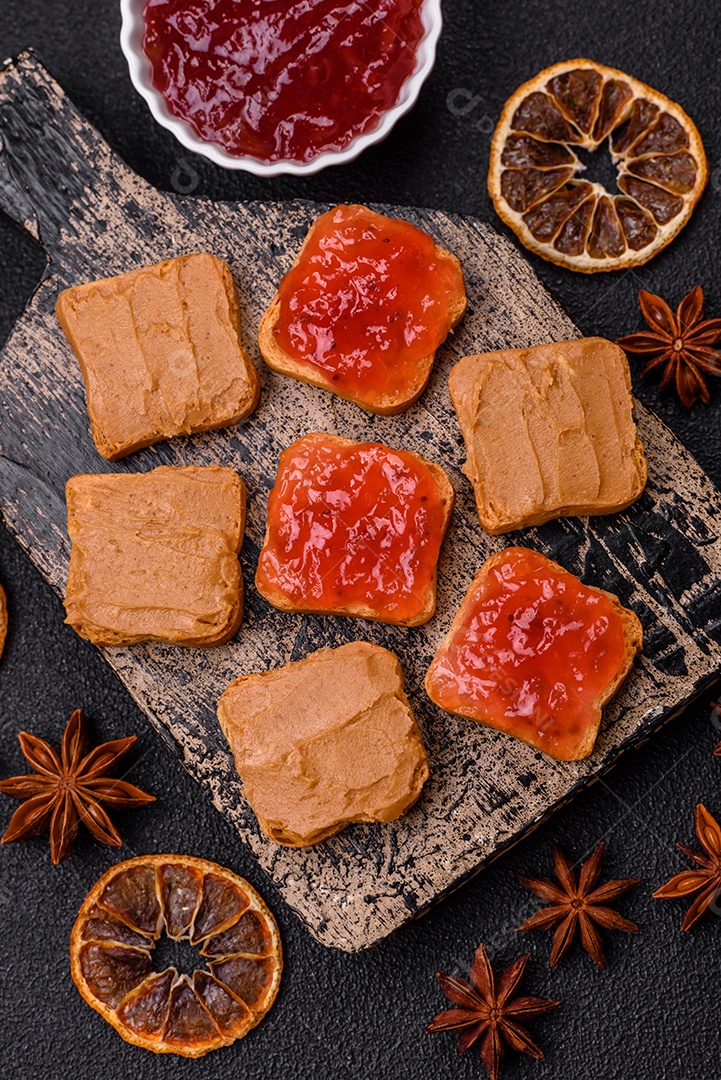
(3, 619)
(536, 180)
(124, 915)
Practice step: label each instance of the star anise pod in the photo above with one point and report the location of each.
(706, 881)
(682, 344)
(578, 906)
(69, 788)
(488, 1011)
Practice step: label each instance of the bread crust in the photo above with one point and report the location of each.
(363, 611)
(461, 383)
(386, 404)
(633, 641)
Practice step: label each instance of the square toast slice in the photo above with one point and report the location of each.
(325, 741)
(354, 529)
(160, 352)
(535, 653)
(549, 432)
(155, 556)
(385, 402)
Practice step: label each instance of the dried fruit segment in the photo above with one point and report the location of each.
(189, 1025)
(523, 151)
(231, 1016)
(189, 899)
(250, 936)
(577, 92)
(221, 906)
(663, 206)
(536, 177)
(249, 980)
(111, 971)
(538, 115)
(545, 221)
(525, 187)
(675, 172)
(615, 96)
(180, 890)
(637, 226)
(131, 896)
(638, 119)
(145, 1010)
(103, 927)
(571, 237)
(605, 238)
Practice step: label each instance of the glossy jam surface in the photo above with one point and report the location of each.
(534, 648)
(368, 299)
(352, 524)
(281, 79)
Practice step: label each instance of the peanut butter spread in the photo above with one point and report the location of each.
(160, 352)
(549, 431)
(155, 556)
(325, 741)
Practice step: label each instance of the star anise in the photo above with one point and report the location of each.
(577, 906)
(705, 881)
(682, 343)
(489, 1012)
(69, 788)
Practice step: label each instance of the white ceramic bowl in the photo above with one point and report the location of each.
(131, 37)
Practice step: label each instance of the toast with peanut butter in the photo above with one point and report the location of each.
(549, 432)
(155, 556)
(325, 741)
(159, 349)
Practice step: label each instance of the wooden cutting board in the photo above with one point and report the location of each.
(60, 181)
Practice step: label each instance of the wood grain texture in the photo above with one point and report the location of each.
(94, 218)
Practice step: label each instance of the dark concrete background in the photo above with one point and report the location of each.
(655, 1012)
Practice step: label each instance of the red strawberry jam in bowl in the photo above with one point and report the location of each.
(279, 86)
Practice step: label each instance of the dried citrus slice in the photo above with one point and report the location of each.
(536, 179)
(188, 899)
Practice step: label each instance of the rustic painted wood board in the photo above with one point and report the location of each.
(61, 182)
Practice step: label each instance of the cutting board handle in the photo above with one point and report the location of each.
(58, 178)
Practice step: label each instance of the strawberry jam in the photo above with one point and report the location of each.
(281, 79)
(530, 653)
(369, 298)
(354, 525)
